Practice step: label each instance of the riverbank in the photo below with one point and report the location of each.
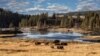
(26, 47)
(57, 29)
(78, 30)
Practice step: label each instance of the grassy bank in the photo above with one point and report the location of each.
(26, 47)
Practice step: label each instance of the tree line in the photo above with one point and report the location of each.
(10, 19)
(90, 22)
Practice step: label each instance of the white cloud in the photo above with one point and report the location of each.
(23, 5)
(36, 6)
(57, 7)
(50, 8)
(16, 6)
(86, 5)
(39, 1)
(15, 3)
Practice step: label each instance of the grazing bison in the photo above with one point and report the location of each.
(57, 47)
(64, 43)
(37, 43)
(46, 43)
(56, 41)
(52, 47)
(60, 47)
(57, 44)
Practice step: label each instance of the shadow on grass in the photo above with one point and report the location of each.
(12, 50)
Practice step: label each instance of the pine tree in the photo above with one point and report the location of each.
(10, 25)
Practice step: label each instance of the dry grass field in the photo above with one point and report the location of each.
(24, 47)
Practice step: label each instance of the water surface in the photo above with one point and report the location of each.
(53, 35)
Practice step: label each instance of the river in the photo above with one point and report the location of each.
(52, 35)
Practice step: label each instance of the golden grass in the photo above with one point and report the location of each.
(9, 35)
(24, 47)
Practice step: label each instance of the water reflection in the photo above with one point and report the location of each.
(53, 35)
(39, 32)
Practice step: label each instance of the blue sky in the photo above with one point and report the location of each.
(50, 6)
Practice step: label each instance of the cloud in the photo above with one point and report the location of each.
(39, 1)
(54, 8)
(15, 5)
(57, 7)
(40, 6)
(22, 6)
(86, 5)
(4, 1)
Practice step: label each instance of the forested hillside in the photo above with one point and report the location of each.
(91, 20)
(10, 19)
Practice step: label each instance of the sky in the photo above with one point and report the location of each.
(50, 6)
